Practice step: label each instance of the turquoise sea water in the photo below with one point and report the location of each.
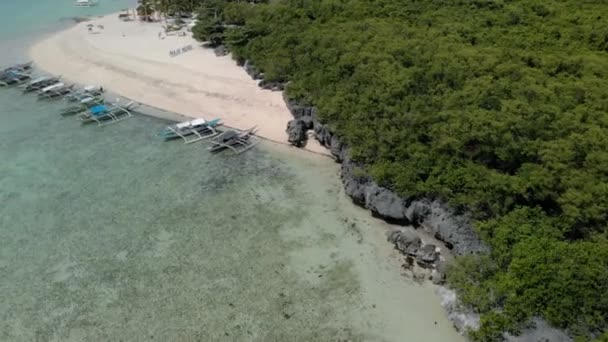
(110, 234)
(19, 17)
(24, 21)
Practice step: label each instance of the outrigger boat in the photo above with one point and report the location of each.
(238, 142)
(39, 83)
(86, 3)
(107, 114)
(83, 105)
(54, 91)
(10, 78)
(191, 131)
(88, 91)
(19, 67)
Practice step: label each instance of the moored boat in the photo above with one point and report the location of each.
(83, 105)
(191, 131)
(55, 91)
(86, 3)
(39, 83)
(104, 114)
(237, 141)
(10, 78)
(86, 92)
(24, 67)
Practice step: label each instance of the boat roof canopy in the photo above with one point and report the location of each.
(53, 86)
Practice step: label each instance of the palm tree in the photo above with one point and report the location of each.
(145, 9)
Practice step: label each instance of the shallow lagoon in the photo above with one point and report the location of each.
(108, 233)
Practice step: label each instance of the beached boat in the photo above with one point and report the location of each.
(39, 83)
(86, 92)
(86, 3)
(11, 78)
(54, 91)
(237, 141)
(105, 114)
(83, 105)
(24, 67)
(191, 131)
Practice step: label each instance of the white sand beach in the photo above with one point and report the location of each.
(130, 59)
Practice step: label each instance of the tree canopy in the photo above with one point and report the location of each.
(498, 106)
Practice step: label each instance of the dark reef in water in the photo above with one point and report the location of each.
(75, 19)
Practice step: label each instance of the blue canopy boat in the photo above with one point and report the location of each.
(106, 114)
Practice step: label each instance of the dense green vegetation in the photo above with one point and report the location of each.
(498, 106)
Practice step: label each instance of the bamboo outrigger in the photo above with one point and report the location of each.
(39, 83)
(54, 91)
(24, 67)
(86, 92)
(192, 131)
(83, 105)
(107, 114)
(236, 141)
(13, 77)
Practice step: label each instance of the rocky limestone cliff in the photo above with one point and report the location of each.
(432, 215)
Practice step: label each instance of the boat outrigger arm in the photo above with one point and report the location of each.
(238, 142)
(105, 115)
(197, 130)
(14, 77)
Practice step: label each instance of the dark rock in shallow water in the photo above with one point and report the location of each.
(296, 130)
(406, 241)
(274, 86)
(221, 51)
(427, 255)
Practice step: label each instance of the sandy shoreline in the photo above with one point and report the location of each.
(130, 59)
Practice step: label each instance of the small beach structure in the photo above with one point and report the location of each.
(105, 114)
(55, 91)
(191, 131)
(39, 83)
(237, 141)
(85, 3)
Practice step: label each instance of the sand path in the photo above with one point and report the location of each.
(129, 58)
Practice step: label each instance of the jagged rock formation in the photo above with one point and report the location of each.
(296, 131)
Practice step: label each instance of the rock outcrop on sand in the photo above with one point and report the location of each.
(432, 215)
(296, 130)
